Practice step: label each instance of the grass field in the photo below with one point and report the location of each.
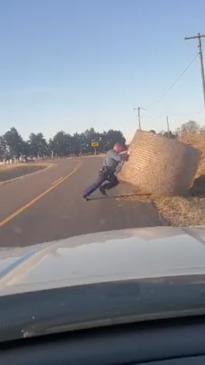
(11, 172)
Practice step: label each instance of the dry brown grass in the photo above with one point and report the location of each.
(178, 211)
(175, 211)
(9, 173)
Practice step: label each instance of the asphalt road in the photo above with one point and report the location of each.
(48, 205)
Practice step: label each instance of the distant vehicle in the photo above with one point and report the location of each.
(132, 296)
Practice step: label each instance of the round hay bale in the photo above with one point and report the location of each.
(159, 165)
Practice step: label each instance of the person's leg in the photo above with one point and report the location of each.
(113, 181)
(101, 178)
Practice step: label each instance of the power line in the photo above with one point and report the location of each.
(174, 114)
(175, 81)
(166, 91)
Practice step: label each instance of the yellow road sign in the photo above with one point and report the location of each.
(94, 144)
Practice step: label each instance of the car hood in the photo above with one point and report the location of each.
(103, 257)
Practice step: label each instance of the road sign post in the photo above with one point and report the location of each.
(95, 145)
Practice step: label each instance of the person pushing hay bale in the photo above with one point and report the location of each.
(159, 165)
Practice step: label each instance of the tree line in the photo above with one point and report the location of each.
(13, 146)
(190, 127)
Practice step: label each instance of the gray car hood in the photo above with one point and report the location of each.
(103, 257)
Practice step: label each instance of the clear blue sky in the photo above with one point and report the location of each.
(72, 64)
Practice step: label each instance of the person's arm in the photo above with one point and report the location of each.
(124, 156)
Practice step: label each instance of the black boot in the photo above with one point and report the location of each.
(103, 191)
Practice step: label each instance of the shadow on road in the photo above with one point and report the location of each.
(118, 196)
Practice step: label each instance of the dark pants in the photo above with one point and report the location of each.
(106, 179)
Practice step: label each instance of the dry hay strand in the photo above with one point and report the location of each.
(179, 211)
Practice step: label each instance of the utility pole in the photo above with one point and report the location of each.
(199, 37)
(168, 130)
(139, 117)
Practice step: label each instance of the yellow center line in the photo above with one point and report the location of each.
(38, 197)
(58, 180)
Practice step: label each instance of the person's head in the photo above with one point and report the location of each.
(118, 148)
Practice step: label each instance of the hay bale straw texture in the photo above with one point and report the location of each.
(159, 165)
